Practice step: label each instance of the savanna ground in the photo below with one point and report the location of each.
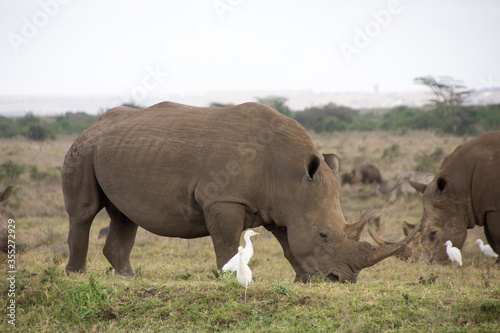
(176, 287)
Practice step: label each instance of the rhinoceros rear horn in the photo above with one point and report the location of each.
(407, 227)
(388, 250)
(353, 231)
(419, 187)
(378, 239)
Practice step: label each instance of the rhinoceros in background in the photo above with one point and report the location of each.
(465, 192)
(4, 238)
(364, 173)
(182, 171)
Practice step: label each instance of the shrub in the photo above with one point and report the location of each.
(363, 123)
(330, 124)
(37, 175)
(488, 117)
(429, 162)
(87, 301)
(7, 127)
(310, 117)
(391, 152)
(74, 123)
(40, 133)
(11, 170)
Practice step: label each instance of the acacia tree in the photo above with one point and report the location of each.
(450, 96)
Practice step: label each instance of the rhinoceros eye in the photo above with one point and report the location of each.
(432, 235)
(324, 237)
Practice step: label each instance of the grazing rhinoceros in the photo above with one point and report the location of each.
(465, 192)
(364, 173)
(4, 238)
(183, 171)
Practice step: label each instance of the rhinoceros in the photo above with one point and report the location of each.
(364, 173)
(188, 172)
(4, 239)
(465, 192)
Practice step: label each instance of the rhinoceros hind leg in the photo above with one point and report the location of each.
(492, 231)
(78, 241)
(120, 241)
(281, 236)
(82, 202)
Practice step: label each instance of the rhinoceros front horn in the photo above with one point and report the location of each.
(390, 249)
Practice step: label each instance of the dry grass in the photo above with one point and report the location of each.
(176, 289)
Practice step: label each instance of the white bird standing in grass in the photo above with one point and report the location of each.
(247, 253)
(453, 253)
(486, 249)
(243, 272)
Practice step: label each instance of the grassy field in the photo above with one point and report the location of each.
(176, 287)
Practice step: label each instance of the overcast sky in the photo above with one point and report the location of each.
(64, 47)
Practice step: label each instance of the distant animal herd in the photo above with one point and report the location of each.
(188, 172)
(400, 183)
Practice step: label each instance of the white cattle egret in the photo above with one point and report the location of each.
(486, 249)
(453, 253)
(247, 253)
(243, 272)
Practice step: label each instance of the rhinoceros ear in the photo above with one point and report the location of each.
(312, 166)
(333, 162)
(441, 184)
(5, 193)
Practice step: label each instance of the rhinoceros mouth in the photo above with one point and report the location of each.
(333, 277)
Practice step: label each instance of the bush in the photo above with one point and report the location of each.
(37, 175)
(40, 133)
(391, 152)
(331, 124)
(278, 103)
(11, 170)
(7, 127)
(364, 123)
(310, 117)
(488, 117)
(430, 162)
(74, 123)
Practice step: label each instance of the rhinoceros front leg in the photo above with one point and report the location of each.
(281, 236)
(225, 223)
(492, 231)
(120, 241)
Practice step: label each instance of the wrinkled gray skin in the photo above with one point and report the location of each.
(4, 241)
(182, 171)
(464, 193)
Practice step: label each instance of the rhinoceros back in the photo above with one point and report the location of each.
(151, 163)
